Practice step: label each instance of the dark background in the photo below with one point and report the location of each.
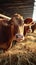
(23, 7)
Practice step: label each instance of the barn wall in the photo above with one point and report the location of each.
(23, 7)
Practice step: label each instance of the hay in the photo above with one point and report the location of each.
(23, 53)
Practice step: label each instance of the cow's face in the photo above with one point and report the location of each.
(18, 19)
(27, 25)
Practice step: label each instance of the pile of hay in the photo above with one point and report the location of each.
(23, 53)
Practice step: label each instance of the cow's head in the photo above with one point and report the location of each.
(18, 19)
(28, 22)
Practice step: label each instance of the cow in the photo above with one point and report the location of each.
(28, 25)
(9, 30)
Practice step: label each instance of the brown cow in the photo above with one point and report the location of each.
(8, 29)
(28, 22)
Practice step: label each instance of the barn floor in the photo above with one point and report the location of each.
(23, 53)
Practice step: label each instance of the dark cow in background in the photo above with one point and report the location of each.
(29, 25)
